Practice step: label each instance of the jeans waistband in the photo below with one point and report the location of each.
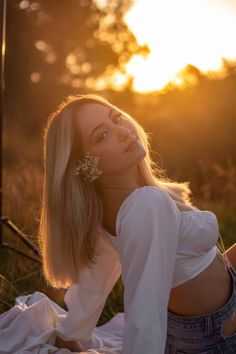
(201, 331)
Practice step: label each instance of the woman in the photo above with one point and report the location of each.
(108, 211)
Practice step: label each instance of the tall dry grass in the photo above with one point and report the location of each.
(215, 190)
(213, 186)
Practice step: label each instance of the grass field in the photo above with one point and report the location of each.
(21, 203)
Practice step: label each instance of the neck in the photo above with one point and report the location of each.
(116, 193)
(112, 197)
(122, 182)
(107, 188)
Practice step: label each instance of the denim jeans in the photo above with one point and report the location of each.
(202, 334)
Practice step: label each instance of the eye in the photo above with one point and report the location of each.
(117, 118)
(101, 136)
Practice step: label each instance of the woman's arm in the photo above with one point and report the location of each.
(147, 242)
(73, 346)
(231, 254)
(85, 300)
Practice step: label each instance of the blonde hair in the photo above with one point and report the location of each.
(71, 211)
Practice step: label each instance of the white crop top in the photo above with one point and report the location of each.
(157, 247)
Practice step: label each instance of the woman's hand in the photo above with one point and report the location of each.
(73, 346)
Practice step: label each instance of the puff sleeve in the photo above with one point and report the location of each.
(147, 243)
(200, 231)
(85, 300)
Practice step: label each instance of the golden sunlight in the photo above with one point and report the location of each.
(196, 32)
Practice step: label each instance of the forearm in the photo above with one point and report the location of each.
(231, 254)
(74, 346)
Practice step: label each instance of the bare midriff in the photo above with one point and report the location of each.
(207, 292)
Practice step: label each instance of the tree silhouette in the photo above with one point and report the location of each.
(60, 41)
(55, 48)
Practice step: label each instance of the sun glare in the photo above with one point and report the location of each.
(196, 32)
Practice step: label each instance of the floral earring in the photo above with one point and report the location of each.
(87, 167)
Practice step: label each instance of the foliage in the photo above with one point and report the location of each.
(55, 48)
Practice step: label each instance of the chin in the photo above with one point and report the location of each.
(142, 153)
(139, 157)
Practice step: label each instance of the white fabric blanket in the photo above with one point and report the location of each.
(29, 327)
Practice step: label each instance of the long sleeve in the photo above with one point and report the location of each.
(147, 243)
(85, 300)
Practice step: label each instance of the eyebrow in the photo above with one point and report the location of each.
(100, 125)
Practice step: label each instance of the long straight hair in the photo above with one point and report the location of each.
(71, 211)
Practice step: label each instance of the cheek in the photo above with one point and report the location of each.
(112, 157)
(113, 153)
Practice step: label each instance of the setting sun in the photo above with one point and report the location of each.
(178, 33)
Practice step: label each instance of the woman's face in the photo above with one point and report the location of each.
(106, 133)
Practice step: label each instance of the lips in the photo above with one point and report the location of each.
(130, 144)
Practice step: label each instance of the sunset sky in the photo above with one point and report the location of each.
(180, 32)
